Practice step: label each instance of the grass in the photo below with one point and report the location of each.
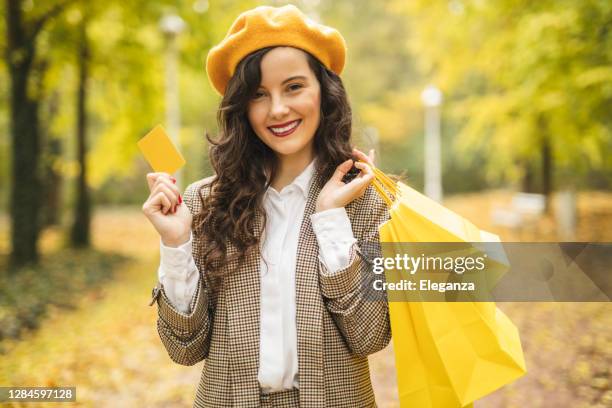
(27, 294)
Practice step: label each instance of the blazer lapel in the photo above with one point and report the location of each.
(243, 308)
(309, 308)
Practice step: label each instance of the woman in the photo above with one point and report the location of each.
(262, 273)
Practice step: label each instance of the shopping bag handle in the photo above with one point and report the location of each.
(382, 193)
(382, 181)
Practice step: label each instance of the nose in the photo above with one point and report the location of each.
(279, 108)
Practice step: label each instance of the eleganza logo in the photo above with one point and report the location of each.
(424, 285)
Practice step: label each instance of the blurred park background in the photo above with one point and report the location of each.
(500, 109)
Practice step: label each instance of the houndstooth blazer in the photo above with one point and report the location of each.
(337, 326)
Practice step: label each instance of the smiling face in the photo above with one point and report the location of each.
(285, 111)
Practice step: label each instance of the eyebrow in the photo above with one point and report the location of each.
(292, 78)
(302, 77)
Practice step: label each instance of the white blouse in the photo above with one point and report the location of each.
(278, 362)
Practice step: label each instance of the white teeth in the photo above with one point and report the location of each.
(286, 128)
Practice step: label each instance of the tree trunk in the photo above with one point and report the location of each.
(51, 152)
(25, 182)
(547, 168)
(80, 234)
(24, 127)
(52, 184)
(528, 182)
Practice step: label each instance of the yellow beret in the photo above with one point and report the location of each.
(267, 26)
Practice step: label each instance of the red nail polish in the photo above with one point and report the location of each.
(173, 180)
(180, 199)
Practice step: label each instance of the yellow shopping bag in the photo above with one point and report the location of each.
(447, 355)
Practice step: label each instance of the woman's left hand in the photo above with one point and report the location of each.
(336, 194)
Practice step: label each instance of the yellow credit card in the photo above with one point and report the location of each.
(160, 152)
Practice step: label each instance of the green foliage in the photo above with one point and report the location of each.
(27, 293)
(517, 72)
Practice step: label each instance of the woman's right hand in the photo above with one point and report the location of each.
(166, 211)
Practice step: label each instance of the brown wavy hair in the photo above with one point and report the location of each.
(241, 161)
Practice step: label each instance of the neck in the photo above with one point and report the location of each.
(289, 167)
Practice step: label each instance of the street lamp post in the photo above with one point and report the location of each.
(171, 26)
(432, 99)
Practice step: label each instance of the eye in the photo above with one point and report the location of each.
(258, 95)
(295, 87)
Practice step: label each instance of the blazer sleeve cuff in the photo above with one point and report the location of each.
(344, 281)
(183, 323)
